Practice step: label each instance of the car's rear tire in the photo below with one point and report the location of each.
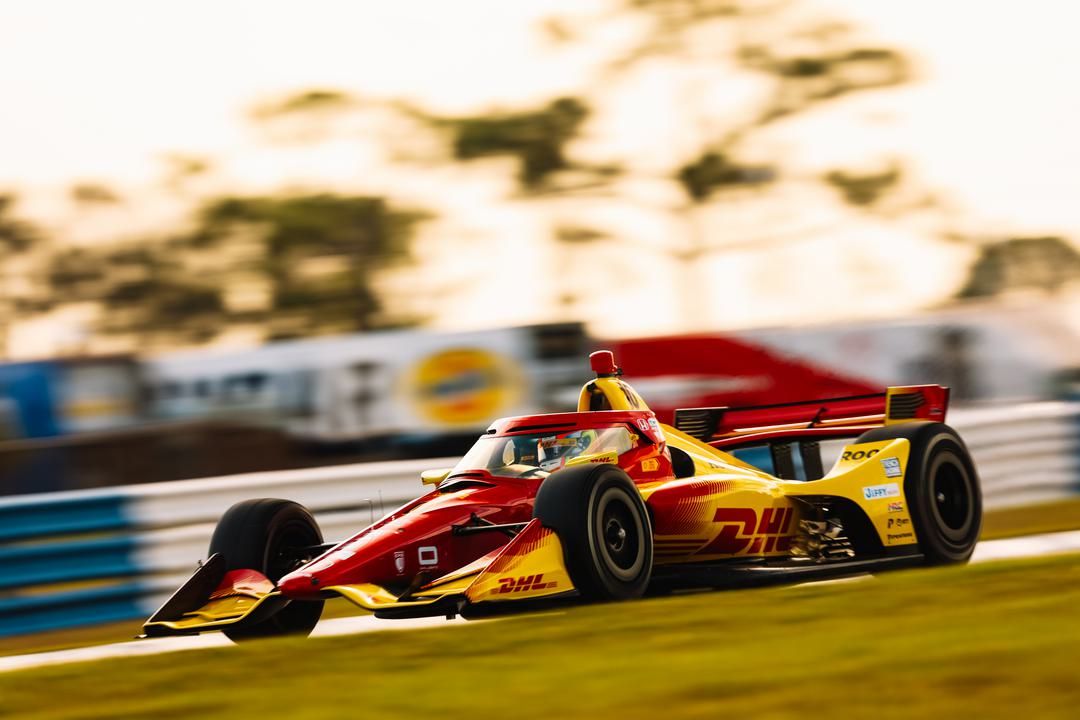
(941, 487)
(265, 535)
(603, 526)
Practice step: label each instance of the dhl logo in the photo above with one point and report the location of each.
(742, 529)
(525, 583)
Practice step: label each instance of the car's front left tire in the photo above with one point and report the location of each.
(268, 535)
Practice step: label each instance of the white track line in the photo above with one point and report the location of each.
(156, 646)
(1030, 546)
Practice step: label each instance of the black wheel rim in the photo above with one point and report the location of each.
(284, 551)
(618, 535)
(951, 497)
(620, 539)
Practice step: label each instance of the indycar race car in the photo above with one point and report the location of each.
(608, 504)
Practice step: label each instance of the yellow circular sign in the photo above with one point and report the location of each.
(463, 386)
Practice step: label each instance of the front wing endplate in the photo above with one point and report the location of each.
(214, 598)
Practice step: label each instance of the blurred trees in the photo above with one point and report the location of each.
(314, 100)
(16, 235)
(302, 264)
(294, 265)
(316, 254)
(805, 65)
(713, 171)
(145, 290)
(864, 189)
(536, 138)
(91, 193)
(802, 62)
(1034, 263)
(17, 238)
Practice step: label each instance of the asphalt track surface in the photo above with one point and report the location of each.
(1030, 546)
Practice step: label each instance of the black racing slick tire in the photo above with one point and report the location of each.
(266, 535)
(604, 528)
(942, 490)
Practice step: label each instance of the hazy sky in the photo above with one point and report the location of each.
(103, 91)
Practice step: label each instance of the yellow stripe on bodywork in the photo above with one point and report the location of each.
(375, 597)
(530, 566)
(216, 613)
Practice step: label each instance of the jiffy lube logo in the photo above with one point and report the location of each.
(463, 386)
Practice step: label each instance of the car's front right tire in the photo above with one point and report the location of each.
(604, 528)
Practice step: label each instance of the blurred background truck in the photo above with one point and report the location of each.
(89, 422)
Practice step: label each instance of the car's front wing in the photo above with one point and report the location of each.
(529, 567)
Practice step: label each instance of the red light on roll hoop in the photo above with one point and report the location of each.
(602, 363)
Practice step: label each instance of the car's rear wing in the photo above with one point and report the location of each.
(727, 428)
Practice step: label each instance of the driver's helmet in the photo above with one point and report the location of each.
(554, 451)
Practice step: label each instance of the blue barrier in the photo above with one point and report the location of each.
(19, 615)
(57, 561)
(1076, 449)
(22, 519)
(136, 545)
(67, 562)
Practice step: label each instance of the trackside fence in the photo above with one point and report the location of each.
(86, 557)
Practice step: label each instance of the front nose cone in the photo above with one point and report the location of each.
(299, 585)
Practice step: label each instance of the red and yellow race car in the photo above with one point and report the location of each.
(606, 504)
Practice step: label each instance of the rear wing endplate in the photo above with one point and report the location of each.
(725, 427)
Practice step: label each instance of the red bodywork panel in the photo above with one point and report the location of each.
(724, 427)
(637, 420)
(418, 540)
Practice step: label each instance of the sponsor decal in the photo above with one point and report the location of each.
(897, 537)
(877, 492)
(608, 456)
(891, 466)
(462, 386)
(525, 583)
(399, 561)
(650, 425)
(895, 507)
(741, 529)
(553, 441)
(428, 555)
(899, 522)
(651, 465)
(859, 454)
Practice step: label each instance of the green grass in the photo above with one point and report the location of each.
(989, 641)
(1007, 522)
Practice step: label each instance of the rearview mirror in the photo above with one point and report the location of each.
(434, 477)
